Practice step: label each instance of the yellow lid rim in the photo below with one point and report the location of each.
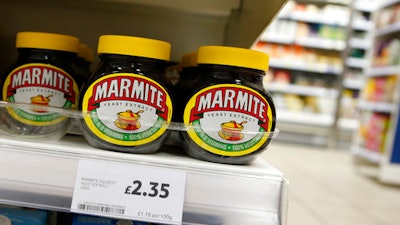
(233, 56)
(134, 46)
(49, 41)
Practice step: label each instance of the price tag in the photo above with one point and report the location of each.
(127, 191)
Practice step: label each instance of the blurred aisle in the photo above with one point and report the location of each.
(325, 188)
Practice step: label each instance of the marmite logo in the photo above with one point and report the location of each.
(130, 88)
(232, 99)
(41, 76)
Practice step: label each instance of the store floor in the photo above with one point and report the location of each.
(325, 188)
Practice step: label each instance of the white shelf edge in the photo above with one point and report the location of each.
(311, 42)
(302, 90)
(316, 18)
(353, 83)
(383, 71)
(384, 107)
(362, 25)
(348, 124)
(311, 67)
(365, 7)
(322, 43)
(360, 43)
(356, 62)
(389, 29)
(280, 39)
(323, 120)
(46, 176)
(371, 156)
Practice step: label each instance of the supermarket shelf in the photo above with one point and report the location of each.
(383, 71)
(321, 43)
(315, 18)
(386, 3)
(298, 65)
(45, 178)
(390, 29)
(362, 25)
(365, 6)
(277, 38)
(311, 42)
(370, 155)
(383, 107)
(302, 90)
(314, 119)
(353, 83)
(356, 62)
(348, 124)
(360, 43)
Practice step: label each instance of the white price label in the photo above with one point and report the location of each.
(127, 191)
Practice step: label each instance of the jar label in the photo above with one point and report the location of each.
(40, 86)
(228, 119)
(126, 109)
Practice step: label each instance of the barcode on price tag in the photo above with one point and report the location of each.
(129, 191)
(101, 209)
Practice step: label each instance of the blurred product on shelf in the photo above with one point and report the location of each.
(292, 77)
(386, 52)
(337, 14)
(353, 79)
(295, 55)
(188, 218)
(373, 130)
(380, 89)
(20, 216)
(97, 220)
(388, 16)
(304, 104)
(348, 105)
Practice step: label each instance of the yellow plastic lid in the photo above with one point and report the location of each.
(134, 46)
(233, 56)
(85, 52)
(50, 41)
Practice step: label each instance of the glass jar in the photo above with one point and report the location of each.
(126, 102)
(230, 117)
(42, 80)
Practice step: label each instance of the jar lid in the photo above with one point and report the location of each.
(4, 220)
(134, 46)
(85, 52)
(233, 56)
(50, 41)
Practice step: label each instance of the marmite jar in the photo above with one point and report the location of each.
(229, 116)
(42, 81)
(188, 76)
(83, 60)
(126, 104)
